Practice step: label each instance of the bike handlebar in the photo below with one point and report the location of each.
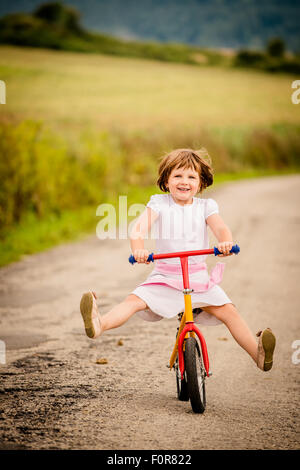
(211, 251)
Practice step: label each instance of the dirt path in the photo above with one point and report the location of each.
(54, 395)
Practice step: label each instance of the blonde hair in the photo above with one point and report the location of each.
(198, 160)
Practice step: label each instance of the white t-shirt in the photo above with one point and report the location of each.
(181, 228)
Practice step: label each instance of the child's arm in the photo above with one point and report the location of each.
(221, 232)
(137, 235)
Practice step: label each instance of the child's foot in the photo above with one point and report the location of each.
(90, 315)
(266, 346)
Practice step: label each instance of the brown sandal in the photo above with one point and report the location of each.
(266, 346)
(90, 315)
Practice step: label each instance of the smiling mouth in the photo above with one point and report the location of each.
(183, 189)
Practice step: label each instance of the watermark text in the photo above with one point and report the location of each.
(296, 354)
(147, 224)
(2, 92)
(295, 96)
(2, 352)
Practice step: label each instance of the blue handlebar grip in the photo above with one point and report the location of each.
(235, 249)
(132, 259)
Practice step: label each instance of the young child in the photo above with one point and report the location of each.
(181, 222)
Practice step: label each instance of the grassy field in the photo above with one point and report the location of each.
(79, 129)
(72, 91)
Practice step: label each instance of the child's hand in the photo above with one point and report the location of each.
(225, 248)
(141, 255)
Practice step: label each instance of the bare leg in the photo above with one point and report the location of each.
(119, 314)
(239, 329)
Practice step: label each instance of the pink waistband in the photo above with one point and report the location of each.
(214, 278)
(176, 269)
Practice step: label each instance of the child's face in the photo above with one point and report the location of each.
(183, 184)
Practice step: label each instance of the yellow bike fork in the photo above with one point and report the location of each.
(186, 317)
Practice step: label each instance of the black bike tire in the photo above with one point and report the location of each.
(191, 356)
(182, 388)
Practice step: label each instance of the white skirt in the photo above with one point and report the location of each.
(162, 292)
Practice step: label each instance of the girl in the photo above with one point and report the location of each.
(181, 222)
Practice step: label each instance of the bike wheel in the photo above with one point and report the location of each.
(195, 375)
(182, 390)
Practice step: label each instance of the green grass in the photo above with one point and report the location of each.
(33, 235)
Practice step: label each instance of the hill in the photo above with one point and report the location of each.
(205, 23)
(57, 26)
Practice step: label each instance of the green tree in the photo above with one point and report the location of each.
(59, 15)
(276, 47)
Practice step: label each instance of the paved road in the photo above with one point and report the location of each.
(53, 394)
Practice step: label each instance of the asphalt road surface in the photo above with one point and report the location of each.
(54, 394)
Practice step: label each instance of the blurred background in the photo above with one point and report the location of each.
(98, 90)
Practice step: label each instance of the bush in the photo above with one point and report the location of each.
(284, 65)
(266, 149)
(276, 47)
(42, 174)
(246, 58)
(274, 62)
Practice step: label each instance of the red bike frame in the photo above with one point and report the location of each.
(189, 327)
